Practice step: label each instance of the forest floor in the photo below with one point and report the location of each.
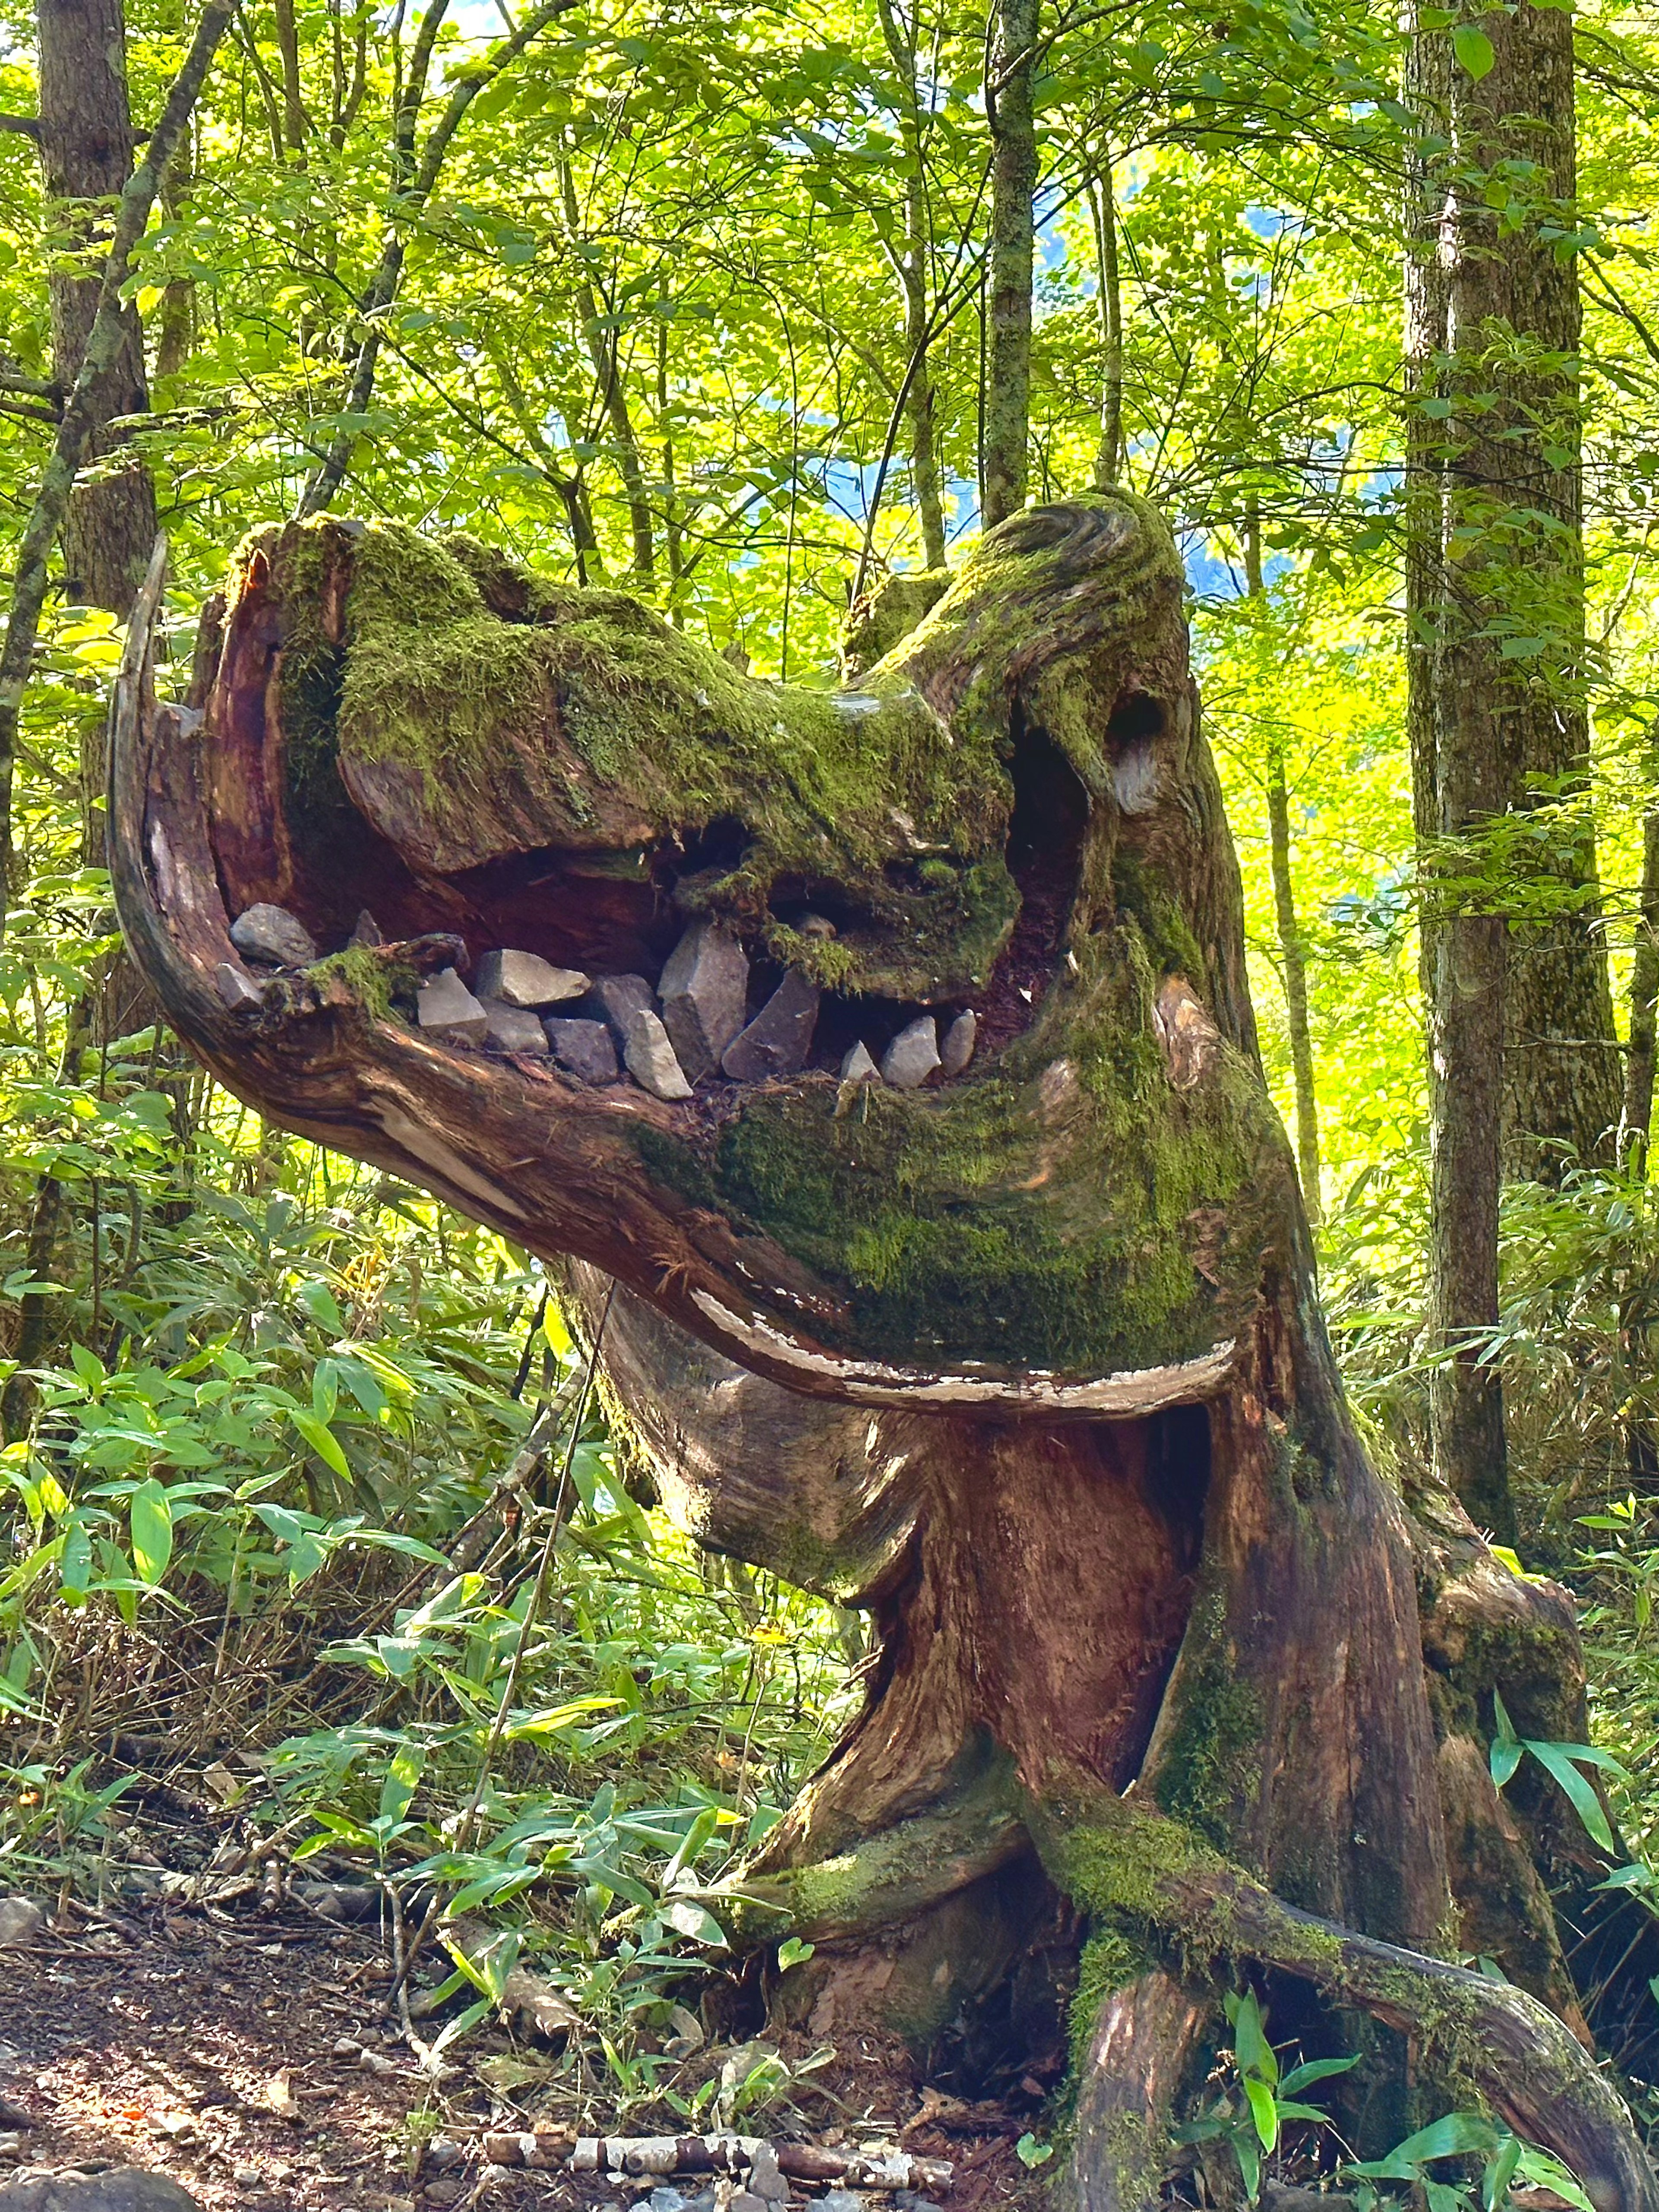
(246, 2054)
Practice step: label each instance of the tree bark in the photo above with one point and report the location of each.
(1637, 1120)
(86, 154)
(1010, 108)
(1516, 326)
(1025, 1361)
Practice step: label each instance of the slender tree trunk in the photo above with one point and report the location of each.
(1102, 204)
(1292, 952)
(288, 45)
(912, 265)
(604, 350)
(1010, 106)
(86, 152)
(1637, 1120)
(412, 180)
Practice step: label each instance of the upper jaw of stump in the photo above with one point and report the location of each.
(1014, 813)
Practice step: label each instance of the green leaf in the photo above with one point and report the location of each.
(1500, 2171)
(1474, 50)
(1249, 2163)
(402, 1780)
(1506, 1754)
(792, 1952)
(322, 1440)
(151, 1516)
(1030, 2153)
(1546, 2171)
(688, 1919)
(1264, 2111)
(1315, 2070)
(1555, 1760)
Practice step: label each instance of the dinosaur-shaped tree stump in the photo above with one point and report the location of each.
(1023, 1357)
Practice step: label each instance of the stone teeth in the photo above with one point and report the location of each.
(650, 1057)
(366, 930)
(956, 1046)
(237, 989)
(815, 925)
(514, 1029)
(859, 1067)
(704, 992)
(446, 1008)
(524, 979)
(584, 1050)
(776, 1043)
(614, 998)
(271, 933)
(912, 1055)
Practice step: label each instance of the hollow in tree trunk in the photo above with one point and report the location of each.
(1024, 1358)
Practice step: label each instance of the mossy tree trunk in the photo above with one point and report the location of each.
(1027, 1361)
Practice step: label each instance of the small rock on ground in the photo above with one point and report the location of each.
(446, 1008)
(22, 1922)
(912, 1055)
(956, 1046)
(524, 979)
(651, 1058)
(704, 991)
(272, 934)
(584, 1050)
(124, 2189)
(859, 1067)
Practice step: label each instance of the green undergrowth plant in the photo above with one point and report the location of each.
(1457, 2140)
(1258, 2101)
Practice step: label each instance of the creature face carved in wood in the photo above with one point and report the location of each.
(809, 1154)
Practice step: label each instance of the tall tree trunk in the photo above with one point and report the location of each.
(1292, 953)
(1102, 205)
(1518, 295)
(1636, 1123)
(1024, 1359)
(86, 151)
(1010, 106)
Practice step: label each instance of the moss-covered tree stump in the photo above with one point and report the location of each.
(1025, 1358)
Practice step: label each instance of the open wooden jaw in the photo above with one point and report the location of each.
(1014, 815)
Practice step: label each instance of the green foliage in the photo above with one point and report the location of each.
(1506, 2160)
(1259, 2099)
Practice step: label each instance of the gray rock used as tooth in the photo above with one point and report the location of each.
(22, 1922)
(859, 1067)
(446, 1008)
(778, 1040)
(514, 1029)
(524, 979)
(237, 988)
(815, 925)
(614, 998)
(912, 1055)
(650, 1057)
(584, 1050)
(704, 992)
(366, 930)
(956, 1046)
(271, 933)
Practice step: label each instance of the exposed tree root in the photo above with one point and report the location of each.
(1481, 2038)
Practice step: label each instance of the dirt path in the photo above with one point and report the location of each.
(247, 2058)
